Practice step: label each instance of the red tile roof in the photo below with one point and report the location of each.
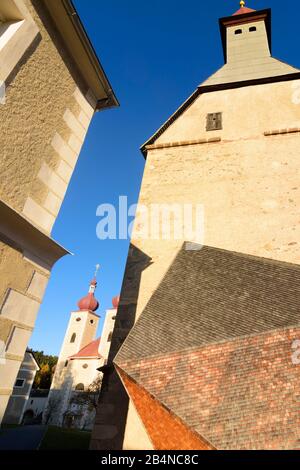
(243, 11)
(166, 431)
(90, 350)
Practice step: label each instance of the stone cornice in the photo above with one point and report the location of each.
(18, 232)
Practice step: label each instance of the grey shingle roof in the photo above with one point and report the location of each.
(213, 295)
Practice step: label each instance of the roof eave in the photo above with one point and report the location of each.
(66, 18)
(208, 89)
(19, 232)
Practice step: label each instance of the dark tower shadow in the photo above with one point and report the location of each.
(110, 422)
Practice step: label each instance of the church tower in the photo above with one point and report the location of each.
(81, 333)
(213, 327)
(247, 47)
(82, 325)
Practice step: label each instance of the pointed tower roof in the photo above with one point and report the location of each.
(243, 9)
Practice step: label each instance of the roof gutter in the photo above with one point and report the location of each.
(111, 100)
(82, 52)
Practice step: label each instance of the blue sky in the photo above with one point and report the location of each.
(155, 54)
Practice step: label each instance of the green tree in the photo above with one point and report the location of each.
(47, 364)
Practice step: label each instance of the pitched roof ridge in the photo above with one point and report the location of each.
(89, 350)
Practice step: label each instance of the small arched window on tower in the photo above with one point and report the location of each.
(252, 29)
(73, 337)
(238, 31)
(79, 388)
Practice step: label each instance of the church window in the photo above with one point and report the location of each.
(238, 31)
(253, 28)
(66, 363)
(91, 322)
(78, 319)
(85, 366)
(73, 337)
(79, 388)
(214, 122)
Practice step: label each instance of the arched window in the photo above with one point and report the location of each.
(253, 28)
(73, 337)
(79, 388)
(238, 31)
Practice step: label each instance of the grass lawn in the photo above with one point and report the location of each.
(65, 439)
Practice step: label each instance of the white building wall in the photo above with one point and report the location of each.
(84, 325)
(107, 331)
(36, 404)
(83, 374)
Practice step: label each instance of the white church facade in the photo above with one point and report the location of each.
(77, 381)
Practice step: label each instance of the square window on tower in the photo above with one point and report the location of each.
(214, 122)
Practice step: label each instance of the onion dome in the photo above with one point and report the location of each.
(116, 301)
(89, 302)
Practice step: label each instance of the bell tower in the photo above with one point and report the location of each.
(247, 46)
(82, 325)
(246, 36)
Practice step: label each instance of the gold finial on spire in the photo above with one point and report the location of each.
(242, 3)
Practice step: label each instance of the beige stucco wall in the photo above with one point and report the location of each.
(3, 404)
(22, 286)
(247, 113)
(136, 437)
(43, 123)
(21, 290)
(8, 374)
(14, 270)
(248, 183)
(36, 101)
